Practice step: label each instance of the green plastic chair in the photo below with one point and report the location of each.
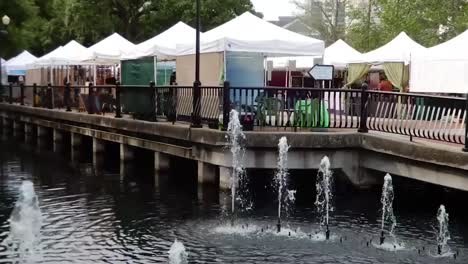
(267, 107)
(307, 114)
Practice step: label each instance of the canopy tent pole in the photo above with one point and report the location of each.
(68, 73)
(94, 74)
(155, 66)
(224, 67)
(119, 72)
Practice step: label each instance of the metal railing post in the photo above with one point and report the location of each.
(465, 149)
(49, 96)
(118, 108)
(22, 94)
(90, 98)
(10, 96)
(226, 105)
(154, 103)
(196, 105)
(34, 94)
(67, 96)
(171, 105)
(363, 122)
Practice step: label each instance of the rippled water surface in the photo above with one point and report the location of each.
(98, 216)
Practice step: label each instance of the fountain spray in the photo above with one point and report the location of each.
(177, 253)
(234, 136)
(443, 236)
(25, 223)
(323, 201)
(387, 207)
(281, 174)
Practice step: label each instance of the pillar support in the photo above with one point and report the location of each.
(58, 135)
(127, 152)
(98, 151)
(18, 126)
(225, 178)
(161, 161)
(76, 140)
(207, 173)
(28, 128)
(42, 131)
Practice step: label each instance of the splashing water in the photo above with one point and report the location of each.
(234, 136)
(25, 224)
(324, 186)
(281, 178)
(387, 205)
(177, 253)
(443, 236)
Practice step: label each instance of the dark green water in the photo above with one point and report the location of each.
(100, 216)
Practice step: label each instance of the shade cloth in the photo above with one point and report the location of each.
(397, 74)
(356, 71)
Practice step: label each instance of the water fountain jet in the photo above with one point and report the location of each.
(281, 175)
(177, 253)
(387, 208)
(234, 136)
(443, 235)
(324, 197)
(25, 223)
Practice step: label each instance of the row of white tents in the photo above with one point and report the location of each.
(440, 69)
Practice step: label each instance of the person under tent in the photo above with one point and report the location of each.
(385, 85)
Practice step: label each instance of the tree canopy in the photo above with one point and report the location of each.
(371, 23)
(41, 25)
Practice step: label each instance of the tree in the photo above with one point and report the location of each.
(42, 25)
(20, 12)
(426, 21)
(326, 17)
(364, 32)
(213, 13)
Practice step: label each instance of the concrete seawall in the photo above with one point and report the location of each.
(354, 153)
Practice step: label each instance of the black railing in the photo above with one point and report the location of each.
(300, 109)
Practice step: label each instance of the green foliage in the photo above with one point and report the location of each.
(42, 25)
(325, 17)
(428, 22)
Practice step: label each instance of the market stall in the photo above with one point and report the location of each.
(442, 68)
(394, 57)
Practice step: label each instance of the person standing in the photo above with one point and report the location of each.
(385, 85)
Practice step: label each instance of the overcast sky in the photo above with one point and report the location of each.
(271, 9)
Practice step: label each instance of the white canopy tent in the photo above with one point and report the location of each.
(249, 33)
(73, 53)
(399, 49)
(110, 50)
(394, 56)
(19, 64)
(338, 54)
(302, 62)
(164, 45)
(46, 57)
(442, 68)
